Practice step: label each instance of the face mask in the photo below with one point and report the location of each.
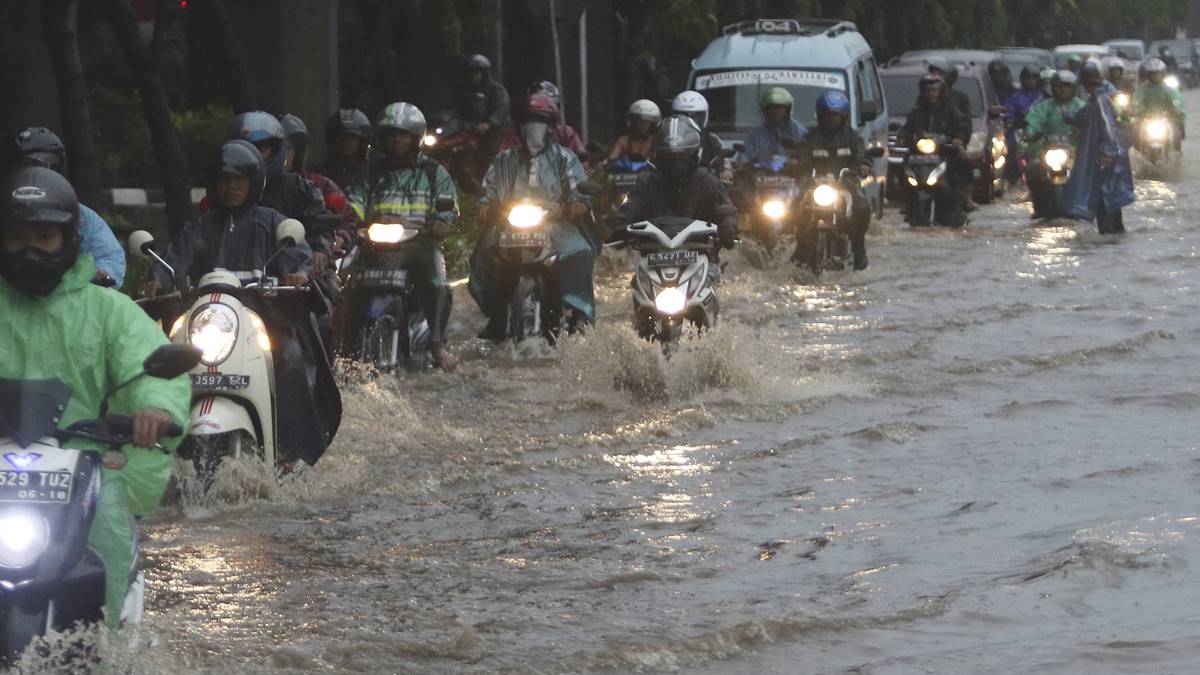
(35, 272)
(534, 134)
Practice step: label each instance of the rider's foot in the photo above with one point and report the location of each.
(443, 359)
(860, 260)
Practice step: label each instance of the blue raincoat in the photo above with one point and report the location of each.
(764, 142)
(1093, 189)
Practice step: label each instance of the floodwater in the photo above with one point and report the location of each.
(979, 455)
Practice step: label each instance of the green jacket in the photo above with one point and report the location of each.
(92, 339)
(555, 168)
(1152, 97)
(404, 192)
(1045, 119)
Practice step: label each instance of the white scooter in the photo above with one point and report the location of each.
(50, 578)
(233, 386)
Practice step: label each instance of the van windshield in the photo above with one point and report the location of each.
(733, 95)
(901, 92)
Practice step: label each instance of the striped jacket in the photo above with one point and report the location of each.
(404, 192)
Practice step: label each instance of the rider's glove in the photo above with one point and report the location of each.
(727, 234)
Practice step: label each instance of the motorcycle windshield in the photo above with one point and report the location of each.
(31, 409)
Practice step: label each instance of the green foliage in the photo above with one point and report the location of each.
(200, 133)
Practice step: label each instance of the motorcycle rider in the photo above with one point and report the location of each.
(832, 146)
(1154, 96)
(91, 340)
(347, 140)
(38, 146)
(408, 184)
(1114, 70)
(935, 114)
(238, 234)
(642, 117)
(693, 105)
(949, 73)
(1049, 118)
(1168, 58)
(542, 170)
(1018, 106)
(564, 134)
(1001, 78)
(1102, 182)
(677, 188)
(333, 194)
(483, 104)
(765, 142)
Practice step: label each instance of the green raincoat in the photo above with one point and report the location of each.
(1045, 120)
(1151, 97)
(92, 339)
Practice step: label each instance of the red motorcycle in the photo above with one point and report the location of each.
(458, 147)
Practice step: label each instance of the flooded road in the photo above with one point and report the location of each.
(979, 455)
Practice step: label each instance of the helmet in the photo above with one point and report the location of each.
(540, 107)
(348, 121)
(1064, 77)
(237, 157)
(477, 62)
(677, 145)
(691, 104)
(1154, 65)
(1112, 62)
(776, 96)
(39, 195)
(297, 136)
(262, 127)
(1090, 73)
(939, 65)
(548, 88)
(1048, 74)
(643, 110)
(405, 117)
(833, 101)
(931, 81)
(41, 146)
(997, 67)
(1164, 50)
(1030, 71)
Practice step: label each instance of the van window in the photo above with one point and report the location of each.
(733, 94)
(868, 84)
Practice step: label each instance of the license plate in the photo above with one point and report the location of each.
(510, 239)
(211, 381)
(672, 259)
(382, 278)
(35, 486)
(624, 180)
(774, 181)
(924, 159)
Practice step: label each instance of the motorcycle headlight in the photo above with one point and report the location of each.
(999, 147)
(1155, 130)
(774, 209)
(999, 163)
(525, 216)
(24, 536)
(926, 146)
(214, 332)
(932, 180)
(177, 326)
(264, 340)
(1055, 159)
(1171, 81)
(825, 195)
(1121, 101)
(671, 300)
(912, 180)
(429, 140)
(387, 233)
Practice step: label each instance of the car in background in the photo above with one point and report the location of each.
(808, 57)
(1063, 53)
(1129, 49)
(1017, 58)
(1184, 52)
(965, 57)
(985, 150)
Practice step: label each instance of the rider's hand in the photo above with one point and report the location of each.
(439, 229)
(320, 262)
(149, 425)
(727, 235)
(151, 288)
(864, 171)
(578, 209)
(295, 279)
(340, 245)
(101, 277)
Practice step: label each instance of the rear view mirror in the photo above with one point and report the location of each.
(289, 232)
(868, 111)
(140, 244)
(875, 153)
(170, 361)
(589, 188)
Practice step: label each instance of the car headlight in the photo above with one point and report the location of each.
(1171, 81)
(926, 146)
(525, 216)
(214, 332)
(264, 340)
(24, 537)
(387, 233)
(825, 195)
(1121, 101)
(1155, 130)
(1055, 159)
(670, 300)
(774, 209)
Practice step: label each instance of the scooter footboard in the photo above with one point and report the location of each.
(218, 415)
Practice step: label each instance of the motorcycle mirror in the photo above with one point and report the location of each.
(996, 111)
(875, 153)
(589, 188)
(289, 232)
(170, 361)
(140, 243)
(728, 152)
(443, 204)
(739, 147)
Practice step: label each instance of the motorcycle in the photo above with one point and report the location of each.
(1156, 138)
(50, 578)
(673, 284)
(931, 195)
(234, 399)
(1054, 169)
(457, 146)
(774, 193)
(623, 174)
(822, 230)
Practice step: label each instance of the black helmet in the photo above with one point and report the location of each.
(997, 67)
(677, 144)
(477, 62)
(1031, 71)
(237, 158)
(42, 196)
(297, 136)
(41, 146)
(1090, 73)
(262, 127)
(348, 121)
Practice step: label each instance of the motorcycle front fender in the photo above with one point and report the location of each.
(219, 414)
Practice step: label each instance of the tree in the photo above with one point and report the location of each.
(225, 44)
(59, 28)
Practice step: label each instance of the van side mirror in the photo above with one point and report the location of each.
(170, 361)
(868, 111)
(289, 232)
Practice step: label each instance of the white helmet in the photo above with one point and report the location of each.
(643, 109)
(1111, 62)
(693, 105)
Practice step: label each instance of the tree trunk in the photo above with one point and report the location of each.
(225, 43)
(58, 27)
(167, 150)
